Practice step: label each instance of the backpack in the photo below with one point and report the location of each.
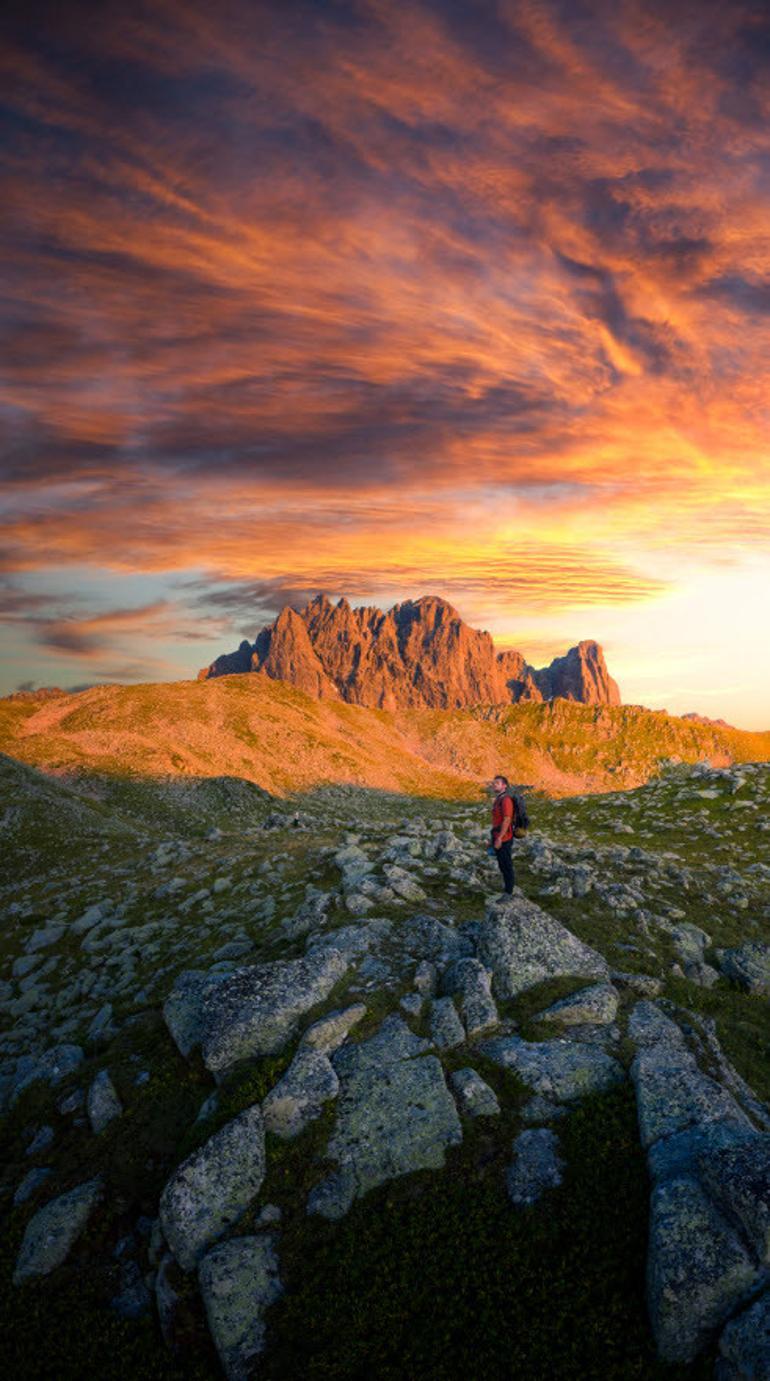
(520, 816)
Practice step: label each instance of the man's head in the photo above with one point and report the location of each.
(499, 783)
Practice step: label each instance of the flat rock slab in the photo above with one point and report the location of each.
(559, 1069)
(748, 965)
(239, 1281)
(672, 1094)
(744, 1347)
(473, 1094)
(522, 945)
(394, 1115)
(54, 1229)
(252, 1011)
(698, 1271)
(537, 1166)
(212, 1188)
(596, 1005)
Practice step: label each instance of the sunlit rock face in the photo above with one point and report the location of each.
(419, 654)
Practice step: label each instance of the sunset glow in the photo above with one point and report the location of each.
(385, 300)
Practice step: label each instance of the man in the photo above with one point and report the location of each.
(502, 831)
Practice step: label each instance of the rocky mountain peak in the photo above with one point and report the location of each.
(420, 654)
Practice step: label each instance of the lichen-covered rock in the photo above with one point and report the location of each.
(474, 1096)
(239, 1281)
(52, 1231)
(698, 1271)
(403, 883)
(597, 1005)
(298, 1098)
(644, 984)
(563, 1070)
(102, 1104)
(738, 1179)
(672, 1093)
(255, 1010)
(744, 1347)
(50, 1067)
(327, 1034)
(648, 1025)
(522, 945)
(394, 1114)
(212, 1188)
(471, 982)
(537, 1166)
(674, 1156)
(446, 1029)
(748, 964)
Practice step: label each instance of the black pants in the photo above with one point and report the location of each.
(505, 864)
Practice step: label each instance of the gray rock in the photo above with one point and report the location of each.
(522, 945)
(446, 1029)
(212, 1188)
(412, 1004)
(51, 1067)
(327, 1034)
(394, 1115)
(673, 1094)
(167, 1299)
(102, 1028)
(538, 1109)
(427, 939)
(649, 1026)
(748, 965)
(474, 1096)
(737, 1178)
(30, 1184)
(689, 942)
(251, 1011)
(744, 1347)
(43, 939)
(183, 1008)
(644, 984)
(675, 1156)
(299, 1097)
(403, 883)
(54, 1229)
(597, 1004)
(239, 1281)
(102, 1104)
(563, 1070)
(536, 1167)
(698, 1272)
(425, 978)
(472, 984)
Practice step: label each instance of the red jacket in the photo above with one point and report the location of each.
(502, 817)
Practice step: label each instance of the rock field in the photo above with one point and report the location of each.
(229, 1032)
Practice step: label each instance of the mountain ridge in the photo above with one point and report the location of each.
(418, 654)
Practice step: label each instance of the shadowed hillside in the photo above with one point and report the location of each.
(276, 736)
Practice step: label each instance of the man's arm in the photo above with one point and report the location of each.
(507, 809)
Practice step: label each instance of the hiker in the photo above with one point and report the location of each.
(503, 822)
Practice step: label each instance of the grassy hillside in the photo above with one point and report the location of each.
(272, 734)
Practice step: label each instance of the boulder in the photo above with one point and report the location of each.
(522, 945)
(562, 1070)
(698, 1271)
(446, 1029)
(672, 1093)
(597, 1005)
(737, 1177)
(744, 1347)
(239, 1281)
(394, 1115)
(327, 1034)
(298, 1098)
(471, 982)
(748, 965)
(54, 1229)
(102, 1104)
(213, 1187)
(255, 1010)
(536, 1166)
(473, 1095)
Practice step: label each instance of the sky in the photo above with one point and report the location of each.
(387, 299)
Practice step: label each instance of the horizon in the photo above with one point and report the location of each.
(366, 299)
